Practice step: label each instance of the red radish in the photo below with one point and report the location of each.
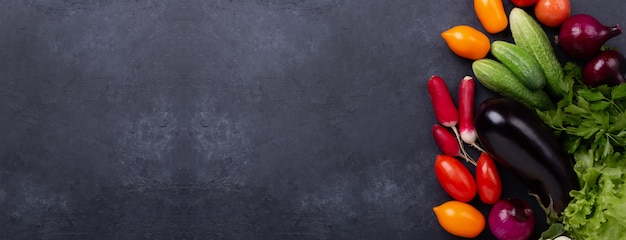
(445, 110)
(448, 143)
(466, 111)
(444, 107)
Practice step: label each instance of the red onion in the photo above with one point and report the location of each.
(608, 67)
(582, 35)
(511, 219)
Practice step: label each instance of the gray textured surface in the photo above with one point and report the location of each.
(221, 119)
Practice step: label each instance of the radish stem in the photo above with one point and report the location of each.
(465, 156)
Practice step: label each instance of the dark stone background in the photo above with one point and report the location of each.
(227, 119)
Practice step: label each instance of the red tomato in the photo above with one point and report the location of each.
(523, 3)
(455, 178)
(552, 13)
(488, 181)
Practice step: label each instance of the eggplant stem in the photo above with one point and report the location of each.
(551, 215)
(465, 156)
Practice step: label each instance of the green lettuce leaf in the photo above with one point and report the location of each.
(598, 210)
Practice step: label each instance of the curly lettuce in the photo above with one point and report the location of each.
(598, 210)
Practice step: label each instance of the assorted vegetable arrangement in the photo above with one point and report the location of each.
(559, 127)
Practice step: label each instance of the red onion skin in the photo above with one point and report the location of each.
(511, 219)
(582, 36)
(607, 67)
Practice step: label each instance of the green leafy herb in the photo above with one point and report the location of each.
(573, 73)
(592, 122)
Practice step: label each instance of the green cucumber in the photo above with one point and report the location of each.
(499, 79)
(520, 62)
(529, 35)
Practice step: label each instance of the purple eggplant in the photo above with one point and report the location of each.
(522, 143)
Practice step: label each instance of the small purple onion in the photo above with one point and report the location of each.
(511, 219)
(607, 67)
(582, 35)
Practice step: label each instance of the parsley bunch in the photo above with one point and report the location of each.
(593, 117)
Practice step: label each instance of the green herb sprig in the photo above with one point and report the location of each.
(592, 117)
